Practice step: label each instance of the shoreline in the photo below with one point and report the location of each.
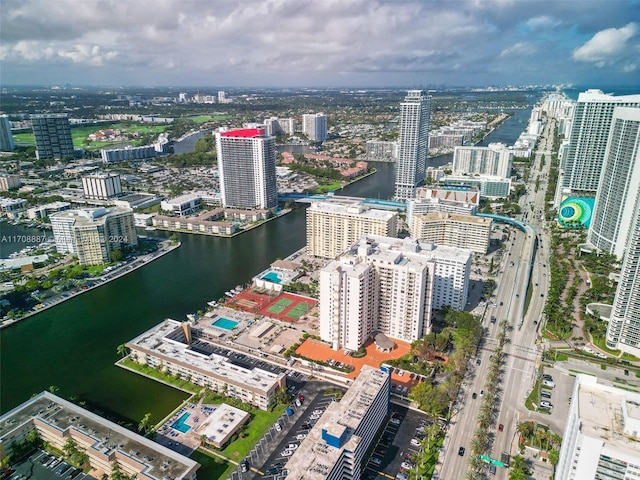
(135, 264)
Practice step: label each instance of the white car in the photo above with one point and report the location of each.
(546, 404)
(394, 421)
(286, 453)
(415, 442)
(301, 436)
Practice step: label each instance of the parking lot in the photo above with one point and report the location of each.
(393, 455)
(275, 466)
(43, 466)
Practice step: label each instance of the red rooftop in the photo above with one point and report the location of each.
(246, 132)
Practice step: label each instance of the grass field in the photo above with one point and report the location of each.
(280, 305)
(297, 311)
(79, 134)
(207, 118)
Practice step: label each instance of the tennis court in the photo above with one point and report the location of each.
(280, 306)
(297, 311)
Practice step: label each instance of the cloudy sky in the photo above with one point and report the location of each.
(319, 42)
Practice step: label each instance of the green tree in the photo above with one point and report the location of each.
(145, 424)
(122, 349)
(116, 256)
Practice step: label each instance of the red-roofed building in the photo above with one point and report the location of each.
(245, 133)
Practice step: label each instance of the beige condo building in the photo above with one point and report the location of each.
(454, 230)
(334, 226)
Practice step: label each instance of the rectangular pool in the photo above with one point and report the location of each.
(225, 324)
(180, 425)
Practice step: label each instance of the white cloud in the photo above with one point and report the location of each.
(606, 46)
(520, 49)
(542, 22)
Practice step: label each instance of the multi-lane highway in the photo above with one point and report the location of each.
(524, 266)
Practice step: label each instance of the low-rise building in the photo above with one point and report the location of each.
(168, 346)
(380, 151)
(58, 421)
(43, 211)
(462, 201)
(335, 447)
(489, 186)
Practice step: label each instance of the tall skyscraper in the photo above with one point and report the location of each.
(6, 140)
(413, 143)
(53, 136)
(623, 331)
(619, 186)
(580, 167)
(314, 125)
(389, 285)
(247, 164)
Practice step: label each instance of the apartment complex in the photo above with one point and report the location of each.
(53, 136)
(169, 346)
(276, 126)
(453, 230)
(619, 186)
(379, 151)
(8, 181)
(489, 186)
(6, 139)
(389, 285)
(602, 434)
(623, 331)
(106, 443)
(113, 155)
(334, 226)
(335, 447)
(314, 126)
(463, 201)
(581, 163)
(247, 166)
(101, 186)
(413, 143)
(496, 160)
(93, 233)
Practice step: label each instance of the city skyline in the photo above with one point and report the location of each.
(292, 43)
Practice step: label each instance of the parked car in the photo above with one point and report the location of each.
(500, 427)
(546, 404)
(461, 451)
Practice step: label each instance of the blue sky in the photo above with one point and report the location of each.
(322, 43)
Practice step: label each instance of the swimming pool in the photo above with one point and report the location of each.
(272, 277)
(180, 425)
(225, 324)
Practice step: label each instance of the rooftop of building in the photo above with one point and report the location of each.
(609, 414)
(417, 249)
(341, 206)
(48, 115)
(451, 194)
(105, 436)
(245, 133)
(433, 216)
(102, 175)
(315, 458)
(89, 216)
(595, 95)
(168, 339)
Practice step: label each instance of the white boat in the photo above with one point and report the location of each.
(150, 229)
(192, 316)
(212, 304)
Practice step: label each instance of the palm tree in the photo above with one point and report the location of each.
(473, 475)
(554, 458)
(525, 429)
(145, 424)
(122, 349)
(53, 389)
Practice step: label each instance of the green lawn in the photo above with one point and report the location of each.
(297, 311)
(254, 431)
(79, 134)
(213, 468)
(280, 305)
(328, 187)
(154, 373)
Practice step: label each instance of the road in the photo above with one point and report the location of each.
(523, 266)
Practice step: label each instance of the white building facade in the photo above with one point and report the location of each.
(601, 438)
(314, 126)
(580, 168)
(413, 143)
(247, 166)
(619, 185)
(101, 186)
(496, 160)
(389, 285)
(453, 230)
